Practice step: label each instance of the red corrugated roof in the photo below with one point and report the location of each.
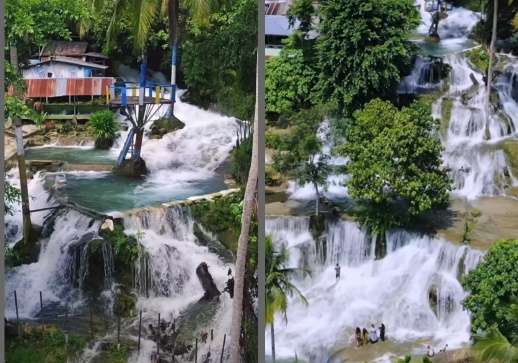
(57, 87)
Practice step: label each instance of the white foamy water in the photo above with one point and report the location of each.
(51, 274)
(394, 290)
(458, 24)
(174, 287)
(39, 198)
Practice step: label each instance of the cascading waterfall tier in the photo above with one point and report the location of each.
(61, 267)
(166, 280)
(414, 290)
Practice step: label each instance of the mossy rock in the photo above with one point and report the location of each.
(512, 192)
(446, 107)
(510, 148)
(103, 144)
(479, 57)
(131, 168)
(125, 302)
(165, 126)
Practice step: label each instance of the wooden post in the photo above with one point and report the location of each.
(158, 338)
(134, 90)
(17, 317)
(223, 348)
(66, 323)
(20, 154)
(196, 352)
(92, 323)
(139, 331)
(157, 95)
(118, 332)
(174, 340)
(41, 309)
(107, 95)
(211, 335)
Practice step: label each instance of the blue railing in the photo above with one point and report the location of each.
(125, 89)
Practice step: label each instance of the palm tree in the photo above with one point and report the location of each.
(278, 285)
(242, 249)
(497, 347)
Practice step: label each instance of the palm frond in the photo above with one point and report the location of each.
(494, 346)
(143, 13)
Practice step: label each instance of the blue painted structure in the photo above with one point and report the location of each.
(170, 111)
(146, 89)
(125, 148)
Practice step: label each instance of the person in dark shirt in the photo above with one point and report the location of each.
(337, 269)
(382, 332)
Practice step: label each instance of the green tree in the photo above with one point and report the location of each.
(290, 79)
(299, 155)
(497, 347)
(31, 24)
(228, 35)
(492, 284)
(278, 285)
(394, 158)
(364, 49)
(289, 82)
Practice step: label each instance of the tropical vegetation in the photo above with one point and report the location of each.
(103, 126)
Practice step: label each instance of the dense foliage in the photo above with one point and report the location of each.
(299, 152)
(394, 158)
(491, 285)
(31, 24)
(364, 50)
(219, 60)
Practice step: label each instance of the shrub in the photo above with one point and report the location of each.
(104, 128)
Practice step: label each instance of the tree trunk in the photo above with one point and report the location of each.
(139, 134)
(490, 67)
(251, 185)
(317, 204)
(20, 155)
(273, 343)
(173, 9)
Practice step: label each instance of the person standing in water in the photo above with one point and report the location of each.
(337, 269)
(365, 336)
(431, 352)
(373, 336)
(358, 336)
(382, 332)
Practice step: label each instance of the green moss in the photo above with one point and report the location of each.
(510, 148)
(446, 107)
(475, 213)
(165, 126)
(112, 355)
(216, 216)
(479, 57)
(38, 347)
(512, 192)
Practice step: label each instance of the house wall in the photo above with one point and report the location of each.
(58, 70)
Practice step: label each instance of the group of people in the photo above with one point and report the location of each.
(364, 337)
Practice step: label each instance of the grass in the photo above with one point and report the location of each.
(37, 347)
(446, 107)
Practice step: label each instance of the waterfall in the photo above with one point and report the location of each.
(414, 290)
(57, 270)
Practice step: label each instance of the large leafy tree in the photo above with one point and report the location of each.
(364, 49)
(278, 285)
(31, 24)
(492, 284)
(299, 153)
(394, 158)
(230, 35)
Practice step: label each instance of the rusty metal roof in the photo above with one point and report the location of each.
(58, 87)
(62, 48)
(71, 61)
(96, 55)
